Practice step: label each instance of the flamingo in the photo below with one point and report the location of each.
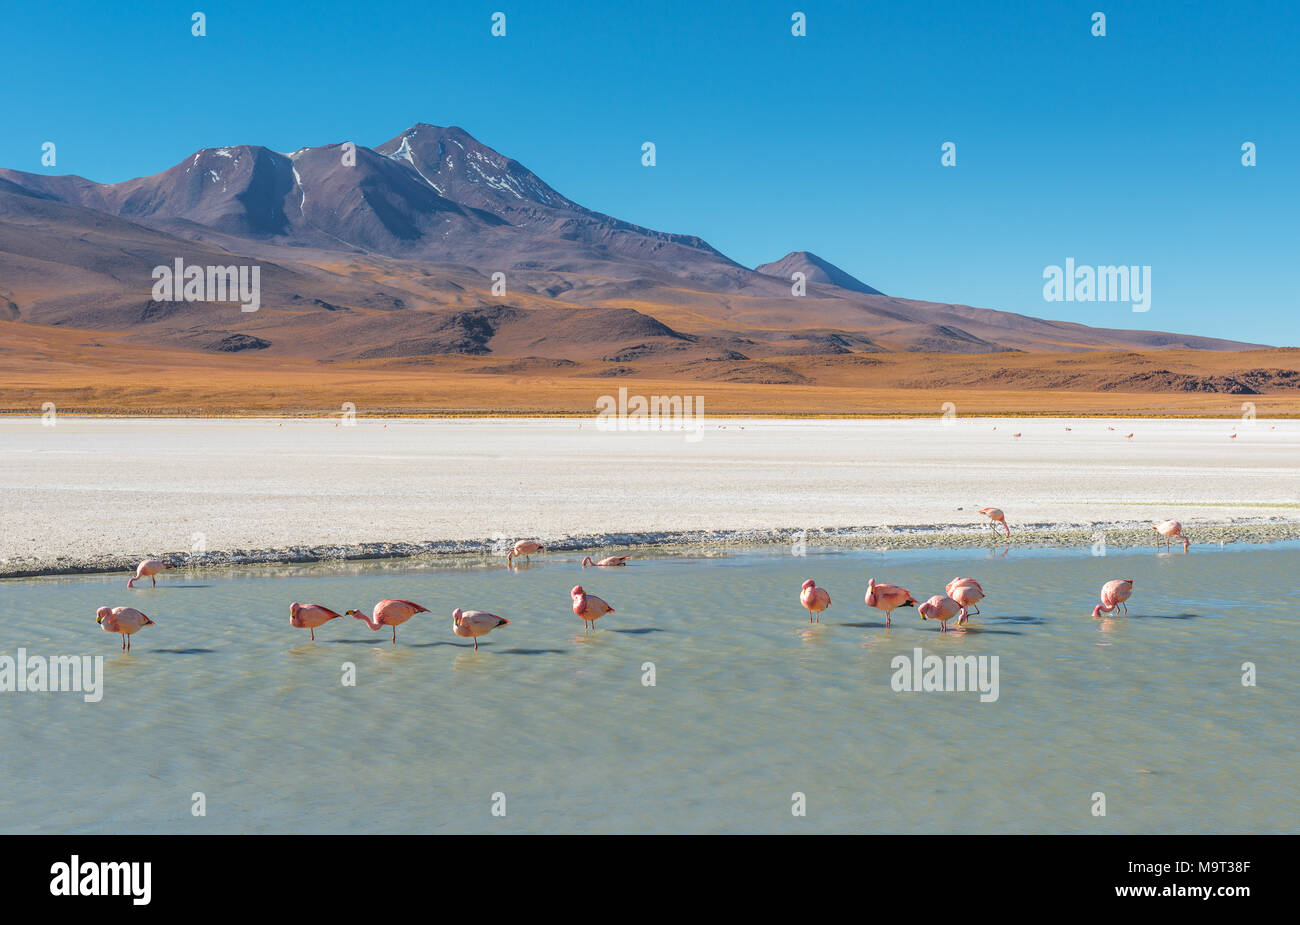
(943, 609)
(1128, 436)
(1168, 530)
(310, 616)
(589, 607)
(148, 569)
(126, 621)
(814, 598)
(606, 562)
(996, 517)
(1113, 595)
(475, 623)
(390, 613)
(966, 592)
(524, 548)
(888, 598)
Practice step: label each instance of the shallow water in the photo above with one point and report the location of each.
(751, 704)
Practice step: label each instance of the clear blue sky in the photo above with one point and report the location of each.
(1123, 149)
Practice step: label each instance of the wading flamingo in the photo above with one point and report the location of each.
(941, 608)
(148, 569)
(589, 607)
(814, 598)
(390, 613)
(966, 592)
(1168, 531)
(888, 598)
(1113, 595)
(606, 562)
(524, 548)
(126, 621)
(310, 616)
(996, 517)
(475, 623)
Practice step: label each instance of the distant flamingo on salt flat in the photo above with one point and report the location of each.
(813, 598)
(148, 569)
(1113, 595)
(888, 598)
(941, 608)
(389, 613)
(996, 517)
(1168, 531)
(966, 592)
(472, 624)
(126, 621)
(607, 562)
(310, 616)
(588, 607)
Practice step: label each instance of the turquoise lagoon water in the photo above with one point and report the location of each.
(751, 704)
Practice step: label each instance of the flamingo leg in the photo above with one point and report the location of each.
(154, 579)
(475, 643)
(124, 642)
(313, 634)
(394, 635)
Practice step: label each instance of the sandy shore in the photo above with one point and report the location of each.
(95, 495)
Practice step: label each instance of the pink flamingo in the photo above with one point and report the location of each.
(814, 598)
(148, 569)
(607, 562)
(310, 616)
(390, 613)
(475, 623)
(1168, 531)
(524, 548)
(966, 592)
(996, 517)
(124, 620)
(941, 608)
(1113, 595)
(888, 598)
(589, 607)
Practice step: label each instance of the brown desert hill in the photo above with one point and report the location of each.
(397, 256)
(815, 270)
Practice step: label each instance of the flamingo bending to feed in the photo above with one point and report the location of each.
(524, 548)
(996, 517)
(390, 613)
(1113, 595)
(606, 562)
(1168, 531)
(148, 569)
(814, 598)
(310, 616)
(888, 598)
(966, 592)
(589, 607)
(475, 623)
(126, 621)
(943, 609)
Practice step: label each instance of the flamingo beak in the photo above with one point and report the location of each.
(99, 620)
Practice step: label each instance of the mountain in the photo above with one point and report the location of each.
(390, 252)
(815, 270)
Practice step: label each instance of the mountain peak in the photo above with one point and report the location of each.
(815, 270)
